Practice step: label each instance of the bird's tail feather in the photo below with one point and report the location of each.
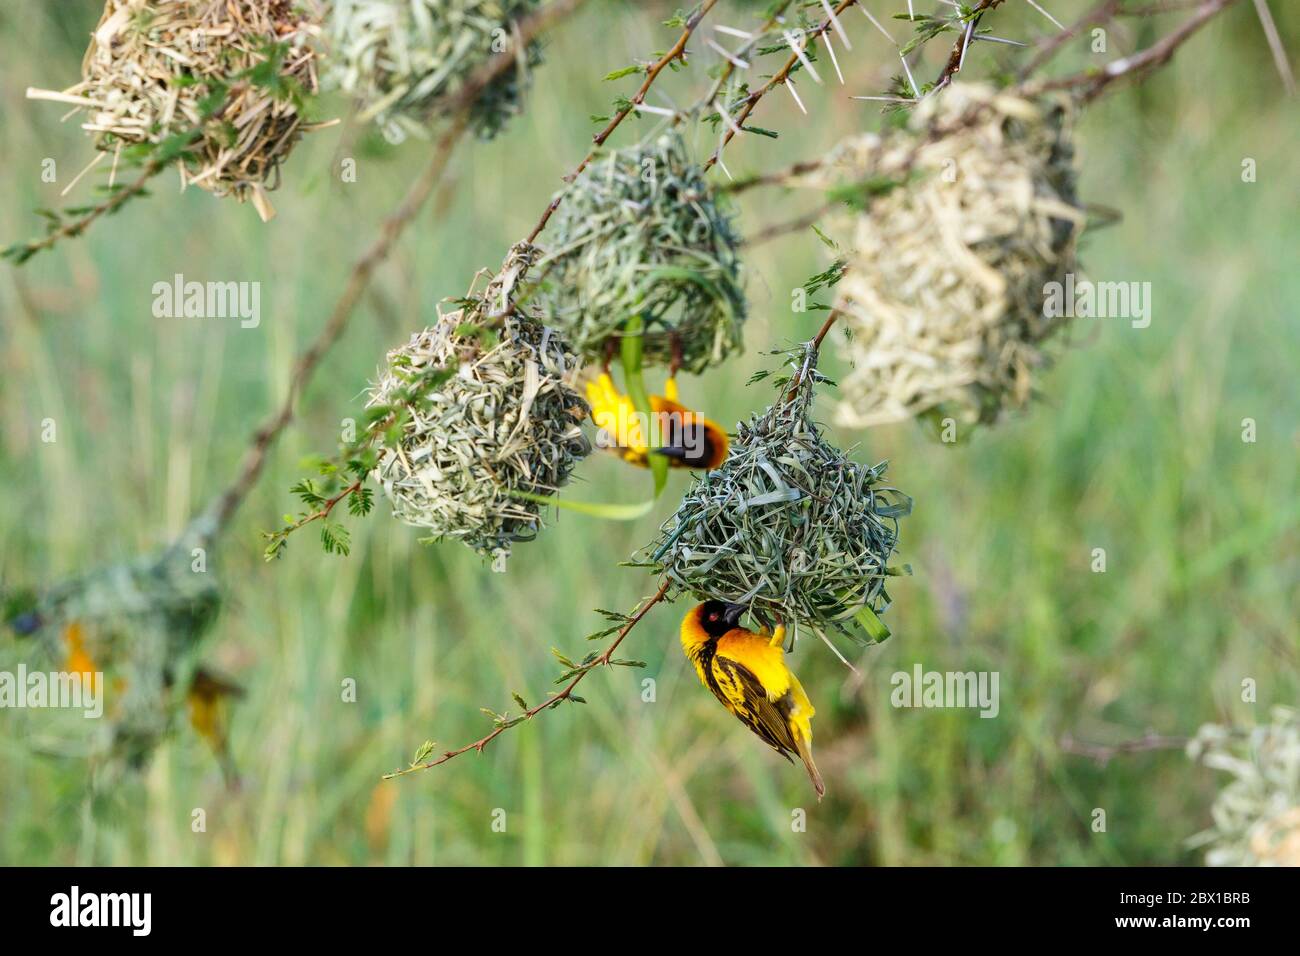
(805, 754)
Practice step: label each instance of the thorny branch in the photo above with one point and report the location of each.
(958, 55)
(779, 78)
(70, 230)
(1104, 753)
(678, 51)
(553, 700)
(1091, 83)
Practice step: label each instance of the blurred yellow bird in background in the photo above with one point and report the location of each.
(746, 671)
(689, 439)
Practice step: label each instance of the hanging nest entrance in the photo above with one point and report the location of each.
(220, 83)
(789, 525)
(968, 215)
(403, 59)
(641, 236)
(486, 408)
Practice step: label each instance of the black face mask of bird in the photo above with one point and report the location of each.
(719, 617)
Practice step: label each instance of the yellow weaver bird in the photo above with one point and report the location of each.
(747, 672)
(689, 439)
(209, 716)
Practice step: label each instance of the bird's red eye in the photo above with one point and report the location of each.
(713, 616)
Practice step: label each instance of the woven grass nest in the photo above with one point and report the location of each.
(403, 59)
(641, 237)
(494, 413)
(156, 69)
(943, 298)
(141, 623)
(788, 525)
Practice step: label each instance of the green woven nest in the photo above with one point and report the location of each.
(945, 285)
(404, 59)
(143, 623)
(641, 234)
(494, 413)
(789, 525)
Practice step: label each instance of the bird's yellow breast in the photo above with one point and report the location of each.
(760, 657)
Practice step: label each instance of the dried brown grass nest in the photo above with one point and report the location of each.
(230, 73)
(788, 525)
(491, 412)
(968, 213)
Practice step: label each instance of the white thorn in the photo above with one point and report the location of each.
(732, 31)
(916, 90)
(789, 85)
(876, 22)
(885, 99)
(731, 123)
(990, 39)
(910, 12)
(835, 22)
(661, 111)
(830, 48)
(725, 169)
(1058, 23)
(965, 45)
(793, 41)
(727, 54)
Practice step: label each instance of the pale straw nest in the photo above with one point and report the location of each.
(492, 412)
(967, 215)
(1257, 813)
(229, 75)
(402, 60)
(641, 237)
(788, 525)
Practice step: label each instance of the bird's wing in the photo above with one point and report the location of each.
(749, 701)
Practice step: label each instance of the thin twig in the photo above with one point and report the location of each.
(815, 345)
(1092, 82)
(1104, 753)
(677, 51)
(76, 227)
(958, 55)
(1101, 13)
(729, 68)
(553, 699)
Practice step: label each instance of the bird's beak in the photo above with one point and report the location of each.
(733, 613)
(672, 451)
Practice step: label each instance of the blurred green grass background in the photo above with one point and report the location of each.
(1135, 447)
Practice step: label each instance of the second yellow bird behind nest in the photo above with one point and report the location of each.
(747, 673)
(689, 439)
